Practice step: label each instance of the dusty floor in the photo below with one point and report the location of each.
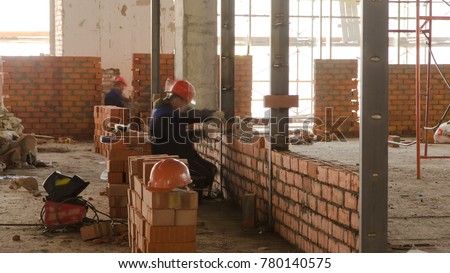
(419, 210)
(221, 229)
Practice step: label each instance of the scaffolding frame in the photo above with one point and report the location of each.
(424, 25)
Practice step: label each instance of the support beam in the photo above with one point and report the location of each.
(196, 49)
(374, 128)
(155, 29)
(279, 72)
(227, 58)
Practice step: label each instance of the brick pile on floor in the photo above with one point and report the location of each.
(118, 146)
(159, 222)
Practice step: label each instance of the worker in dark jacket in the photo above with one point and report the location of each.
(115, 96)
(169, 135)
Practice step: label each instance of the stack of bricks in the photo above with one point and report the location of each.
(159, 222)
(122, 145)
(105, 116)
(53, 95)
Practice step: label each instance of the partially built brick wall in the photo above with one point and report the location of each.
(53, 95)
(402, 98)
(243, 85)
(314, 203)
(142, 81)
(336, 95)
(334, 81)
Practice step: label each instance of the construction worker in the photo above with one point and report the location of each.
(115, 95)
(168, 131)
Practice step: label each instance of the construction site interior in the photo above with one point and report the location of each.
(74, 172)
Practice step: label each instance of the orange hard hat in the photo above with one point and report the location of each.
(168, 174)
(120, 79)
(181, 88)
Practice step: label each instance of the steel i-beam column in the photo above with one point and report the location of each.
(155, 29)
(279, 72)
(374, 127)
(227, 58)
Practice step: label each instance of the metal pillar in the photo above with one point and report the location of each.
(374, 128)
(279, 72)
(155, 30)
(227, 58)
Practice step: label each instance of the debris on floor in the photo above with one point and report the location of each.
(17, 150)
(66, 140)
(28, 183)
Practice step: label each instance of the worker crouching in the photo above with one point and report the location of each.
(169, 135)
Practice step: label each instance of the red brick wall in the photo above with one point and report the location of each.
(315, 204)
(142, 77)
(243, 85)
(336, 88)
(142, 81)
(53, 95)
(402, 98)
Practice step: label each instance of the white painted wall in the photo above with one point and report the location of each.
(111, 29)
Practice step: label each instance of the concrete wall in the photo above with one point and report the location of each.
(110, 29)
(196, 49)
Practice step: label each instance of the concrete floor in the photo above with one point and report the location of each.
(419, 210)
(220, 227)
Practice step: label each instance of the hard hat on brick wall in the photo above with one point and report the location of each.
(168, 174)
(119, 79)
(181, 88)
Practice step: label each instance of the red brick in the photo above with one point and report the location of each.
(345, 180)
(351, 201)
(303, 166)
(332, 212)
(354, 221)
(326, 193)
(344, 216)
(312, 169)
(322, 173)
(338, 196)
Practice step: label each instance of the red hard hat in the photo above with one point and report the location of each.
(120, 79)
(168, 174)
(183, 89)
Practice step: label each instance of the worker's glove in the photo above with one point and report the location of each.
(213, 125)
(219, 114)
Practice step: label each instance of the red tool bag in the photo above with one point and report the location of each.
(57, 214)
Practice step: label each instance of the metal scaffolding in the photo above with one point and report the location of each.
(424, 24)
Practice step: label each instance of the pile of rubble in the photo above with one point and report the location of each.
(17, 150)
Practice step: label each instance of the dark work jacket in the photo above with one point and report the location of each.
(168, 130)
(114, 97)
